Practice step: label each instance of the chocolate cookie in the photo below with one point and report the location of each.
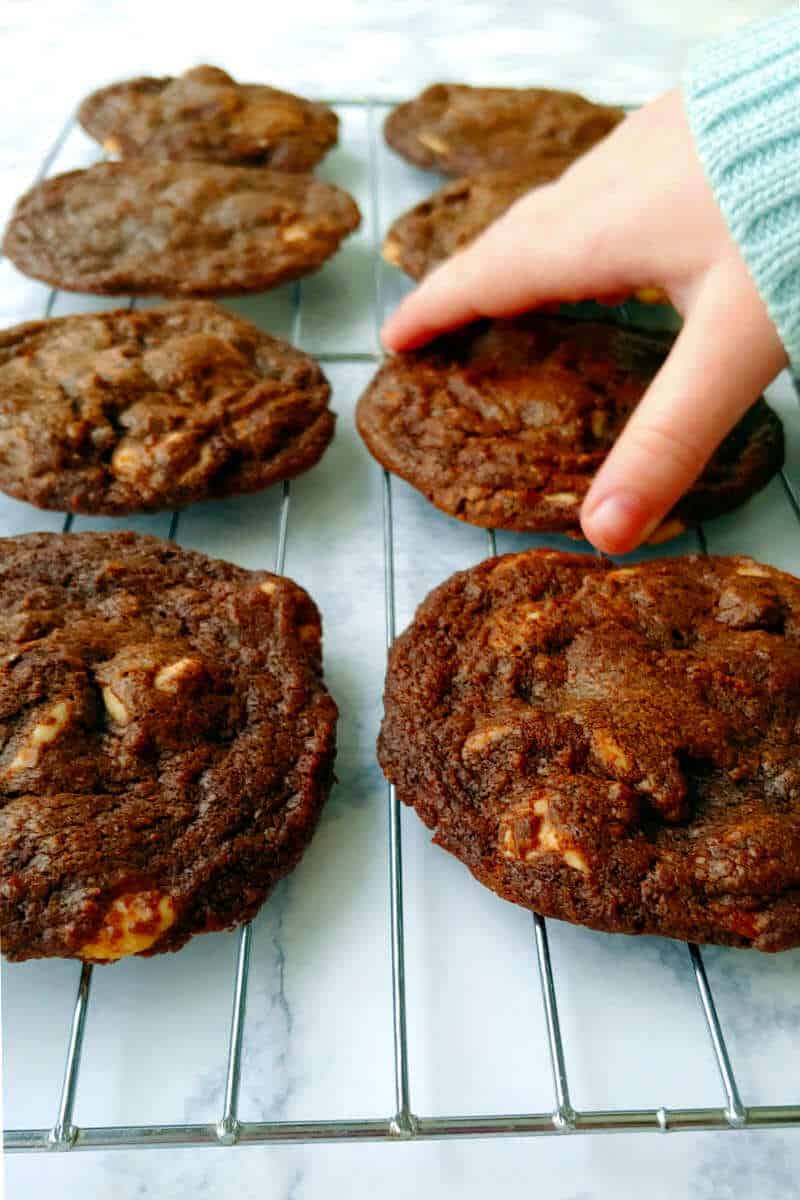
(615, 747)
(451, 218)
(177, 229)
(206, 115)
(167, 743)
(119, 412)
(505, 423)
(460, 130)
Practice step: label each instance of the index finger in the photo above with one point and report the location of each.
(551, 245)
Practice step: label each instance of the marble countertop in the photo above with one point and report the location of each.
(318, 1038)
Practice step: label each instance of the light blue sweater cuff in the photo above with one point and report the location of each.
(742, 98)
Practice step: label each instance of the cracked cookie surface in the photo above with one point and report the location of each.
(206, 115)
(505, 423)
(166, 742)
(459, 129)
(177, 228)
(616, 747)
(119, 412)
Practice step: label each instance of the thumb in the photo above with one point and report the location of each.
(726, 353)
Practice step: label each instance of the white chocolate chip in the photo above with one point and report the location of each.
(114, 706)
(391, 252)
(167, 451)
(168, 678)
(480, 741)
(754, 569)
(296, 232)
(560, 498)
(44, 732)
(536, 612)
(609, 753)
(649, 785)
(665, 531)
(576, 860)
(268, 587)
(433, 142)
(127, 460)
(508, 843)
(177, 436)
(549, 840)
(132, 923)
(521, 625)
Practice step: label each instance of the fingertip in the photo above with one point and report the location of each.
(616, 523)
(389, 335)
(399, 334)
(399, 330)
(408, 327)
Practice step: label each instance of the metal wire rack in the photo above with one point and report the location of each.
(403, 1124)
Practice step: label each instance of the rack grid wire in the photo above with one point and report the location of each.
(403, 1124)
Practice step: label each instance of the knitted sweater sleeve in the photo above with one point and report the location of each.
(742, 97)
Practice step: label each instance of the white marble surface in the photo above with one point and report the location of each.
(318, 1035)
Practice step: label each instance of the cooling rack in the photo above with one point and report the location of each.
(403, 1123)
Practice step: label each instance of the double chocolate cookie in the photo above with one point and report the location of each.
(459, 129)
(177, 229)
(504, 423)
(206, 115)
(167, 743)
(120, 412)
(615, 747)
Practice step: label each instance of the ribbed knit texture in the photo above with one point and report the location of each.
(742, 97)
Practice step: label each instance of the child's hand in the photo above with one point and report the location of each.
(635, 211)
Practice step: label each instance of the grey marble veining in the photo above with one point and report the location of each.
(318, 1035)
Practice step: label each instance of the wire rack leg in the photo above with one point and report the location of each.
(228, 1127)
(404, 1119)
(404, 1122)
(63, 1133)
(228, 1124)
(564, 1114)
(735, 1111)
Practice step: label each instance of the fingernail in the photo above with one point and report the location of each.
(616, 524)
